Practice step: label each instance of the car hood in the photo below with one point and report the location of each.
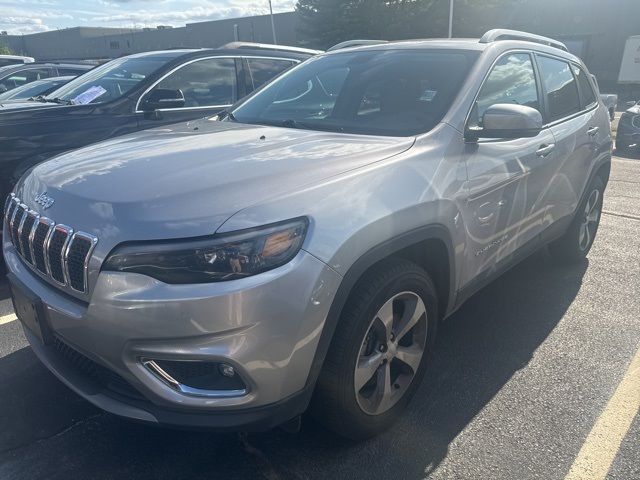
(186, 180)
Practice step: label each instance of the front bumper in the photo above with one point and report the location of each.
(267, 327)
(628, 133)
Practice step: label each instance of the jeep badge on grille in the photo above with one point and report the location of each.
(44, 200)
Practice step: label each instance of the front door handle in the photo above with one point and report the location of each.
(592, 132)
(545, 149)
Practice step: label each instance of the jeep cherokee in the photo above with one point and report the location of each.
(301, 249)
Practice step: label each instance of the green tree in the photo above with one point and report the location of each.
(323, 23)
(4, 50)
(326, 22)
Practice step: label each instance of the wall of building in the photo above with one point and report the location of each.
(83, 43)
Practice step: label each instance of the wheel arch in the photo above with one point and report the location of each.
(430, 247)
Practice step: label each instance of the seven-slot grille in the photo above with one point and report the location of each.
(54, 250)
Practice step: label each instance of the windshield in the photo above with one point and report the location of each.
(378, 92)
(109, 81)
(39, 87)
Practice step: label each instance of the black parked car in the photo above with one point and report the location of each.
(628, 134)
(133, 93)
(14, 76)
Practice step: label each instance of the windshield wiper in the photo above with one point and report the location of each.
(43, 99)
(60, 101)
(291, 123)
(227, 115)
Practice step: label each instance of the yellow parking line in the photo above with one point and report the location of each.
(7, 318)
(601, 446)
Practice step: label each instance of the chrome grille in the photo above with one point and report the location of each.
(54, 250)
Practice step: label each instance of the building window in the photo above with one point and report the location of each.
(114, 45)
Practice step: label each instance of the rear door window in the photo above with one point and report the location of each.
(560, 86)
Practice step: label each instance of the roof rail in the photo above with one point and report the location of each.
(502, 34)
(355, 43)
(266, 46)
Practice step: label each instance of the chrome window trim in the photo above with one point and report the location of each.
(175, 69)
(184, 109)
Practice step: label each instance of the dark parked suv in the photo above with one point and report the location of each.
(303, 250)
(133, 93)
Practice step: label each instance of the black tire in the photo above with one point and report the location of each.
(568, 248)
(335, 404)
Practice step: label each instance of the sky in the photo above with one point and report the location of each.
(31, 16)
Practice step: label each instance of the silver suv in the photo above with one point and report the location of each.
(300, 251)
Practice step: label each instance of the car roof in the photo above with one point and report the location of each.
(22, 66)
(206, 52)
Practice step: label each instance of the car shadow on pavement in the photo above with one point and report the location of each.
(493, 336)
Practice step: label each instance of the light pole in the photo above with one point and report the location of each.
(273, 25)
(450, 18)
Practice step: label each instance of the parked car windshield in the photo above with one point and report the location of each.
(109, 81)
(373, 92)
(39, 87)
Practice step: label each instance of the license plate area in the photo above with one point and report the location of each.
(29, 310)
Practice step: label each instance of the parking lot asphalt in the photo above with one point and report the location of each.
(520, 376)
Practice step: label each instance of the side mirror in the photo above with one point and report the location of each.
(161, 98)
(508, 120)
(631, 104)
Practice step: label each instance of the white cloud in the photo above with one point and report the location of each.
(210, 11)
(28, 16)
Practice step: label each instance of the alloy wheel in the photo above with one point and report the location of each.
(391, 353)
(590, 219)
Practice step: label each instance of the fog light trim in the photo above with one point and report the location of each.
(171, 382)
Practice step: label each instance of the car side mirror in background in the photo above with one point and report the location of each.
(507, 120)
(162, 98)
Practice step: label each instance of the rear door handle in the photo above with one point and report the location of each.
(545, 150)
(593, 131)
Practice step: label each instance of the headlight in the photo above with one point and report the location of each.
(212, 259)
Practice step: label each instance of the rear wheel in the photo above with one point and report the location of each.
(574, 245)
(379, 351)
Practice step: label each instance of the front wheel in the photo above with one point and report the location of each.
(575, 244)
(379, 351)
